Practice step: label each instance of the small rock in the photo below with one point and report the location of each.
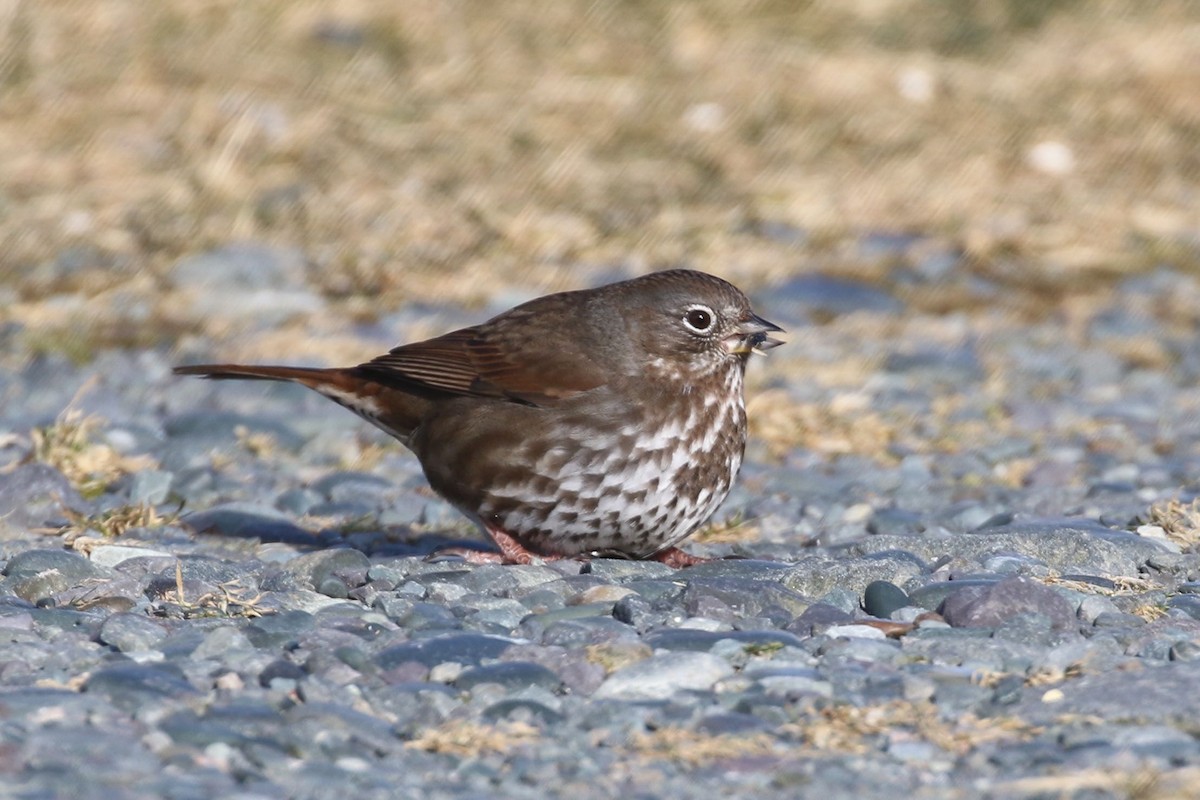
(661, 676)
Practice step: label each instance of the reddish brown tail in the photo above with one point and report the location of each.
(396, 411)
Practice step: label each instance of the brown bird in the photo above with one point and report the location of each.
(606, 420)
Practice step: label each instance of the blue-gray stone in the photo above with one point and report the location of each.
(468, 649)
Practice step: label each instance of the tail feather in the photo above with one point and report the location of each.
(306, 375)
(395, 411)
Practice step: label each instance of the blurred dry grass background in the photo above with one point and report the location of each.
(442, 148)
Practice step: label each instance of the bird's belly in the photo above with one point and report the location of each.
(637, 490)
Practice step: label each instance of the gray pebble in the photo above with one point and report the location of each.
(662, 676)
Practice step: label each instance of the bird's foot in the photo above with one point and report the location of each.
(467, 554)
(678, 559)
(513, 552)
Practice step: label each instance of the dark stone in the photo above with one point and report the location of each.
(280, 668)
(993, 605)
(248, 521)
(511, 675)
(72, 566)
(522, 710)
(280, 630)
(468, 649)
(881, 599)
(135, 686)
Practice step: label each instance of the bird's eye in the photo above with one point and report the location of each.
(699, 319)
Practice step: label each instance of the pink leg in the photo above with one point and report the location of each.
(510, 549)
(514, 552)
(678, 559)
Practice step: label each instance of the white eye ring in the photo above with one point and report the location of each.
(699, 318)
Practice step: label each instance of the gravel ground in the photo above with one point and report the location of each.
(973, 577)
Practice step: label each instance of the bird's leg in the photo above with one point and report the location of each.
(510, 549)
(678, 559)
(514, 552)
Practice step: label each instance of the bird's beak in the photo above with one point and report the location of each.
(751, 336)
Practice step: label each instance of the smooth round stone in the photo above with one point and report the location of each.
(580, 632)
(655, 590)
(246, 520)
(112, 555)
(71, 566)
(134, 686)
(220, 643)
(895, 521)
(566, 613)
(793, 681)
(496, 579)
(931, 595)
(841, 598)
(1093, 606)
(277, 630)
(131, 632)
(499, 611)
(732, 598)
(209, 570)
(748, 568)
(312, 570)
(816, 576)
(334, 587)
(682, 639)
(1187, 603)
(418, 617)
(882, 598)
(468, 649)
(635, 611)
(619, 570)
(519, 709)
(661, 676)
(855, 632)
(539, 601)
(817, 618)
(996, 604)
(40, 576)
(511, 675)
(352, 486)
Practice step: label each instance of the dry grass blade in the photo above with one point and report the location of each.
(109, 524)
(855, 729)
(471, 739)
(1179, 522)
(694, 749)
(70, 445)
(230, 600)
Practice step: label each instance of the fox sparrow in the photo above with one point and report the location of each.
(603, 420)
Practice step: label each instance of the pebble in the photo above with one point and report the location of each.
(661, 677)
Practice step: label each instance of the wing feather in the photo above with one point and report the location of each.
(502, 358)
